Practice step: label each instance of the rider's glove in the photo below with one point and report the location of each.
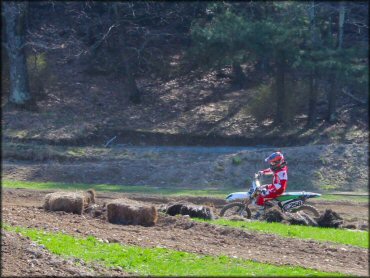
(264, 192)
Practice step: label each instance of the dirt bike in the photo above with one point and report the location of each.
(290, 203)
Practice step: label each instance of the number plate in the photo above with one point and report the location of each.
(293, 204)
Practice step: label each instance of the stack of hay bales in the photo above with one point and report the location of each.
(74, 202)
(127, 212)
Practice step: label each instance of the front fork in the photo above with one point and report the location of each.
(247, 202)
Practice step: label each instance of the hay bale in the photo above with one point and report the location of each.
(330, 219)
(74, 202)
(121, 211)
(192, 210)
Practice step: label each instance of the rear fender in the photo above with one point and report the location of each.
(286, 196)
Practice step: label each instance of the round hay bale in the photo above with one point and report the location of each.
(64, 201)
(120, 211)
(74, 202)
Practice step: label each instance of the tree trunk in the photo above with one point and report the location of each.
(332, 97)
(332, 116)
(342, 13)
(239, 78)
(15, 15)
(280, 90)
(127, 65)
(312, 109)
(312, 113)
(133, 90)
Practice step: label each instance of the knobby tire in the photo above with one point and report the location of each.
(306, 216)
(241, 207)
(307, 208)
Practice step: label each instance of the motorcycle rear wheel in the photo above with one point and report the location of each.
(237, 208)
(307, 208)
(307, 213)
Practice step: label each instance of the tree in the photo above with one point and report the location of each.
(257, 33)
(15, 17)
(332, 95)
(313, 78)
(344, 52)
(130, 39)
(221, 41)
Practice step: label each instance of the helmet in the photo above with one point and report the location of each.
(276, 161)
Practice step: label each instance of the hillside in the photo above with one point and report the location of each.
(80, 105)
(82, 110)
(189, 110)
(85, 110)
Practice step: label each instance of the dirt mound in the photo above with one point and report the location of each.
(192, 210)
(330, 219)
(273, 215)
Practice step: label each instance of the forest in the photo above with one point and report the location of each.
(302, 58)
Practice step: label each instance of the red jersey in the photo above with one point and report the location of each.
(279, 181)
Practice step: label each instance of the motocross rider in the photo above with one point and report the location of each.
(279, 169)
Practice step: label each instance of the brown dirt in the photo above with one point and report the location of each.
(22, 207)
(22, 257)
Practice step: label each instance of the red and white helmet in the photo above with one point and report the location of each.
(276, 160)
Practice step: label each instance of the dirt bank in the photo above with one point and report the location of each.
(334, 167)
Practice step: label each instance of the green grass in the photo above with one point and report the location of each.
(173, 191)
(350, 237)
(332, 197)
(219, 193)
(156, 261)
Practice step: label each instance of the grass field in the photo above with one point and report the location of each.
(214, 192)
(350, 237)
(156, 261)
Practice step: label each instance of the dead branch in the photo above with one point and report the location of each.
(110, 141)
(347, 93)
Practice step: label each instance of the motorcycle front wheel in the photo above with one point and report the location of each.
(237, 208)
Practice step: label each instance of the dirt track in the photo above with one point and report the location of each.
(22, 207)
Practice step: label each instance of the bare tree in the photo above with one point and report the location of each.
(15, 20)
(130, 39)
